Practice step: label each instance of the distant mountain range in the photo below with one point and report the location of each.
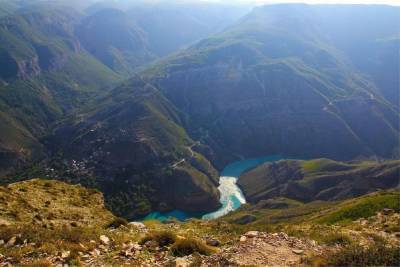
(88, 95)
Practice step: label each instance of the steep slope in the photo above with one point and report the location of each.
(276, 84)
(272, 84)
(45, 74)
(179, 24)
(380, 42)
(318, 179)
(132, 143)
(113, 37)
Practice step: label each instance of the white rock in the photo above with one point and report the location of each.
(104, 240)
(65, 254)
(181, 262)
(12, 241)
(243, 238)
(298, 251)
(137, 225)
(252, 234)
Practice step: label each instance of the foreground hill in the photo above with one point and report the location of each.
(319, 179)
(57, 223)
(48, 203)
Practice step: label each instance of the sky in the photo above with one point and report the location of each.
(388, 2)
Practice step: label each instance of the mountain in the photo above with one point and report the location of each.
(57, 57)
(275, 84)
(318, 179)
(133, 145)
(46, 74)
(272, 84)
(123, 48)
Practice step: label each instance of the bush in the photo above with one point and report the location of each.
(117, 222)
(336, 238)
(378, 255)
(163, 238)
(189, 246)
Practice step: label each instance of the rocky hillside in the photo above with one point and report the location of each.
(48, 204)
(65, 224)
(319, 179)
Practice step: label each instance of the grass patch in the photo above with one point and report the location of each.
(363, 207)
(163, 238)
(117, 222)
(185, 247)
(355, 255)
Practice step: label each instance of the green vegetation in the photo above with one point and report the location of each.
(319, 179)
(380, 254)
(362, 207)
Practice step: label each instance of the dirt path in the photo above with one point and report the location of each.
(263, 249)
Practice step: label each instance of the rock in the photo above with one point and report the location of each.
(12, 241)
(181, 262)
(104, 240)
(151, 244)
(387, 211)
(1, 242)
(212, 242)
(136, 246)
(137, 225)
(95, 252)
(243, 238)
(245, 219)
(298, 251)
(251, 234)
(65, 254)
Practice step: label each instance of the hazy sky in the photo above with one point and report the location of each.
(388, 2)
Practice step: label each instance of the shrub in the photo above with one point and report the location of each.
(378, 255)
(117, 222)
(163, 238)
(336, 238)
(189, 246)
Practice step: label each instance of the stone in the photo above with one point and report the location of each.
(137, 225)
(65, 254)
(104, 240)
(251, 234)
(95, 252)
(212, 242)
(181, 262)
(12, 241)
(298, 251)
(243, 238)
(151, 244)
(387, 211)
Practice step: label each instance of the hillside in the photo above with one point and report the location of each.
(318, 179)
(56, 58)
(80, 231)
(276, 83)
(133, 145)
(50, 203)
(46, 75)
(273, 84)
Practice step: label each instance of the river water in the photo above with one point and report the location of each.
(231, 195)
